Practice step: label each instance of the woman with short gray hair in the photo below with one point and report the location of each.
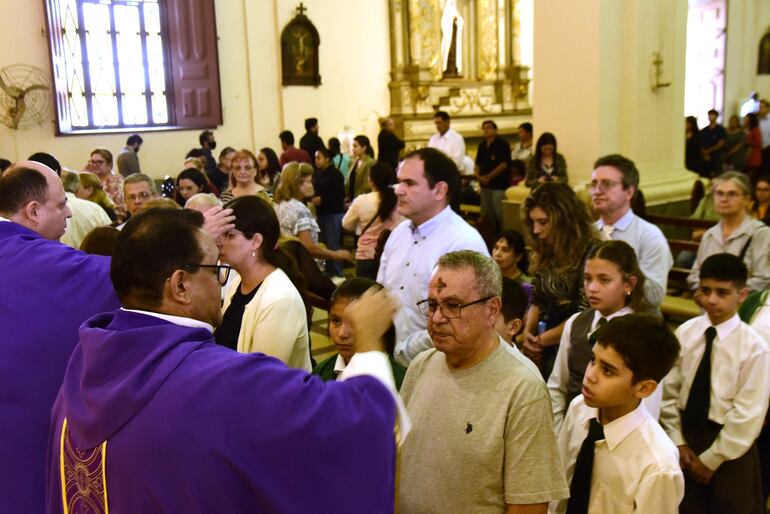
(737, 232)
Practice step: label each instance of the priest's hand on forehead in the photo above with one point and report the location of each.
(218, 221)
(370, 317)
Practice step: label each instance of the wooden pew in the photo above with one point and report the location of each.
(677, 307)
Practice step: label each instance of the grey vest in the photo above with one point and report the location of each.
(579, 352)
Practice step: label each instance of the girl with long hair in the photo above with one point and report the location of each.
(358, 181)
(190, 182)
(370, 215)
(561, 236)
(614, 286)
(265, 311)
(268, 168)
(340, 160)
(546, 164)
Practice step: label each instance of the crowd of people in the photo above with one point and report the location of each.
(527, 373)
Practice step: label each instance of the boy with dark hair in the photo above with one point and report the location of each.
(715, 399)
(515, 303)
(616, 456)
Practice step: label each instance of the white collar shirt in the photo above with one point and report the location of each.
(740, 386)
(559, 378)
(176, 320)
(339, 365)
(636, 466)
(655, 259)
(452, 144)
(406, 265)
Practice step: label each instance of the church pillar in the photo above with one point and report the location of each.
(609, 78)
(399, 41)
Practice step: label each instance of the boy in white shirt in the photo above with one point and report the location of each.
(716, 396)
(616, 456)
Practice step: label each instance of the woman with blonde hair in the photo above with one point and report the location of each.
(561, 236)
(244, 180)
(90, 189)
(295, 218)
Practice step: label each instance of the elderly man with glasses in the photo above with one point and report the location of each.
(614, 182)
(482, 439)
(137, 190)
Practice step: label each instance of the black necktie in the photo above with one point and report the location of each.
(601, 322)
(580, 488)
(696, 412)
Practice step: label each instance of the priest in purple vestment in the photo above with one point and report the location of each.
(153, 416)
(47, 289)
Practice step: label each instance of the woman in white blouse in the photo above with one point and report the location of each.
(264, 311)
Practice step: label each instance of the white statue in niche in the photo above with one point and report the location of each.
(451, 39)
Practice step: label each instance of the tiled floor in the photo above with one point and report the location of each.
(319, 336)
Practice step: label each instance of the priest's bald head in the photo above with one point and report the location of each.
(32, 195)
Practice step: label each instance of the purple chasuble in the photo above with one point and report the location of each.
(47, 289)
(164, 420)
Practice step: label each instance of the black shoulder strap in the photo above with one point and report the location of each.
(745, 248)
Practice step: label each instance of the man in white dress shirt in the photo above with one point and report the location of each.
(448, 141)
(715, 398)
(427, 181)
(614, 182)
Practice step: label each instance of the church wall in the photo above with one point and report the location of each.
(593, 63)
(354, 70)
(566, 93)
(747, 22)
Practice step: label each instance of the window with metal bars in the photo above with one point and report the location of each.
(130, 64)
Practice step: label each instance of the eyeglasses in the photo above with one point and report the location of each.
(449, 310)
(221, 271)
(602, 185)
(96, 162)
(139, 196)
(731, 195)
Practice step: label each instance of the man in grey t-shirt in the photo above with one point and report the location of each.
(482, 439)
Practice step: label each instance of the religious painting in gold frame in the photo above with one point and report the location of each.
(299, 52)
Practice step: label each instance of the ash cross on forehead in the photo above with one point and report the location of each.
(441, 284)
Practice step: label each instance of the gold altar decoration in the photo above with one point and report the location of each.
(459, 56)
